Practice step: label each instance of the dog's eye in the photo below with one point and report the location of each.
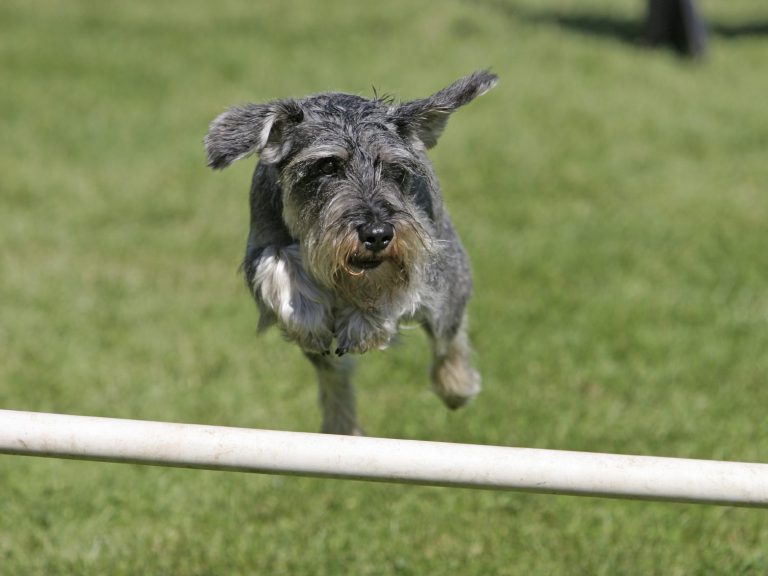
(396, 173)
(326, 167)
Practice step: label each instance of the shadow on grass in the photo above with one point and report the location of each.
(618, 28)
(739, 30)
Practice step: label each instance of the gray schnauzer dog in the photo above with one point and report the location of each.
(349, 236)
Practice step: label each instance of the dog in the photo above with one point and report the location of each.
(349, 236)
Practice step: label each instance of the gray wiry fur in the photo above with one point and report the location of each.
(349, 236)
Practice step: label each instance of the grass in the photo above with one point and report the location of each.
(612, 199)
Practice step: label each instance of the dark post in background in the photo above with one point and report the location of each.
(677, 23)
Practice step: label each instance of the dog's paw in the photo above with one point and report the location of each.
(358, 332)
(455, 382)
(316, 338)
(307, 321)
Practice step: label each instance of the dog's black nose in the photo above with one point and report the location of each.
(377, 236)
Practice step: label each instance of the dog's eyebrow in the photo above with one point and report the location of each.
(395, 156)
(317, 152)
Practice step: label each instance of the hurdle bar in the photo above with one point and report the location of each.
(383, 459)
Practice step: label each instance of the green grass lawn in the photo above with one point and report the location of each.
(614, 201)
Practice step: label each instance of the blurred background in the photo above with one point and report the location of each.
(612, 198)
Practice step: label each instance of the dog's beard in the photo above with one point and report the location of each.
(337, 260)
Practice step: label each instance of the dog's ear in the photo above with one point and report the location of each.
(261, 128)
(426, 118)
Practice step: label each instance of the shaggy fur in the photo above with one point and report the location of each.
(349, 236)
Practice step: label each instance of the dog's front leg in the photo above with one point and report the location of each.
(453, 377)
(287, 295)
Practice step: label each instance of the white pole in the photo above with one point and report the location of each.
(381, 459)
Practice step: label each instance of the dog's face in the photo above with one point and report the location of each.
(358, 192)
(356, 195)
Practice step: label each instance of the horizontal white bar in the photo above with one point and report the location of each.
(381, 459)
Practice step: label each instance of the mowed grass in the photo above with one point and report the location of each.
(614, 203)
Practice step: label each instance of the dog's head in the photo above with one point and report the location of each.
(358, 192)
